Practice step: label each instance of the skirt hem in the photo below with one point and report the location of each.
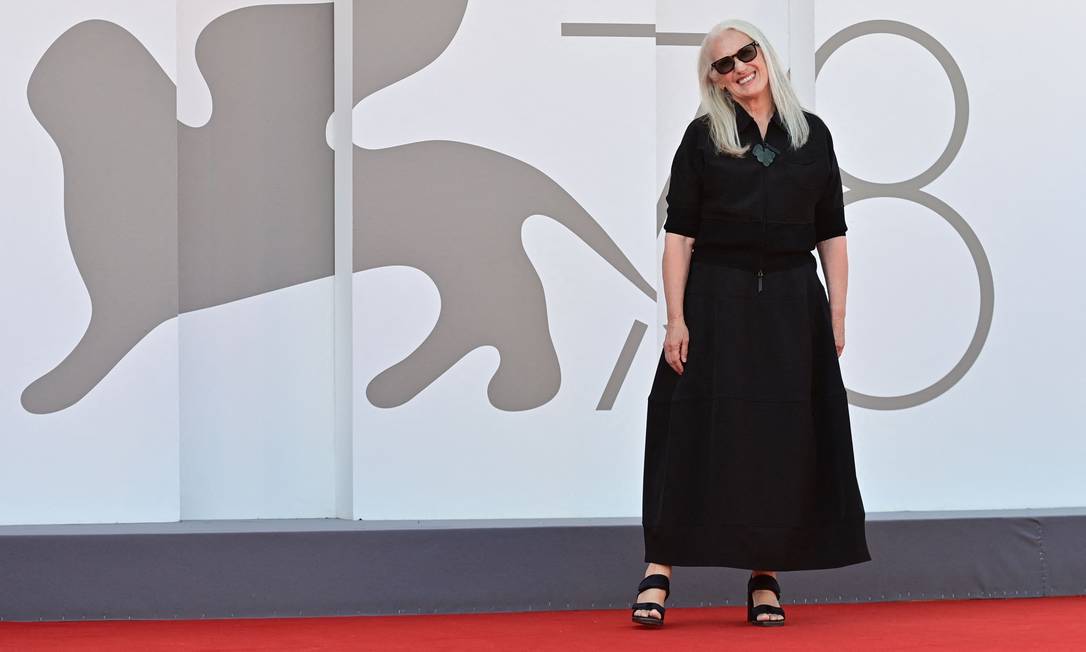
(761, 547)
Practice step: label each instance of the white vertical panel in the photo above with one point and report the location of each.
(257, 411)
(113, 455)
(344, 261)
(801, 49)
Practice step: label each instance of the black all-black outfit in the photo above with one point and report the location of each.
(761, 402)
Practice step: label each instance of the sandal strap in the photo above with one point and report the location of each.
(656, 581)
(649, 606)
(766, 609)
(763, 582)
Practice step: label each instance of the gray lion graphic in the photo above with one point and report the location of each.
(163, 218)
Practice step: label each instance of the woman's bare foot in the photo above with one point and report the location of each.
(765, 596)
(653, 595)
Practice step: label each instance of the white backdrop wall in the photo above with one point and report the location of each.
(113, 454)
(577, 111)
(256, 373)
(225, 411)
(506, 189)
(1008, 433)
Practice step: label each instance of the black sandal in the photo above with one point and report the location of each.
(758, 583)
(654, 581)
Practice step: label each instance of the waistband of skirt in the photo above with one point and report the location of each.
(751, 260)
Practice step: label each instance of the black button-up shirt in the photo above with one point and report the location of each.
(748, 214)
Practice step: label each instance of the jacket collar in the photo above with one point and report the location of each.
(776, 135)
(743, 119)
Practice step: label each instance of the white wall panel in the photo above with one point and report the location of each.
(112, 456)
(1006, 435)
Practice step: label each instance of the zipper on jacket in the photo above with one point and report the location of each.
(762, 252)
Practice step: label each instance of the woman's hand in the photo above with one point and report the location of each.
(839, 333)
(675, 345)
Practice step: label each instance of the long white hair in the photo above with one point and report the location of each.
(720, 107)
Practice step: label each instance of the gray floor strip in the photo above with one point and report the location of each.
(328, 567)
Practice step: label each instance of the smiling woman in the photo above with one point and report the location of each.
(748, 452)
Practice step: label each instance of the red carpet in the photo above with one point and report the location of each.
(997, 624)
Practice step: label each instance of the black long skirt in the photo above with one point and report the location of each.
(748, 454)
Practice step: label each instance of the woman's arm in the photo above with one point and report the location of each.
(676, 267)
(681, 228)
(830, 230)
(833, 252)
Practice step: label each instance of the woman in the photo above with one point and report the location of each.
(748, 454)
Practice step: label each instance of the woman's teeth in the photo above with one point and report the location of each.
(746, 80)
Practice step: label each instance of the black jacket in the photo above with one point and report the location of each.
(748, 214)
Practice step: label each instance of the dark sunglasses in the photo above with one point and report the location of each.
(746, 54)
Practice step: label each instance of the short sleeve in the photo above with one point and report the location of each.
(830, 208)
(684, 187)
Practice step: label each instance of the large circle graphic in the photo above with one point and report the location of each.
(911, 190)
